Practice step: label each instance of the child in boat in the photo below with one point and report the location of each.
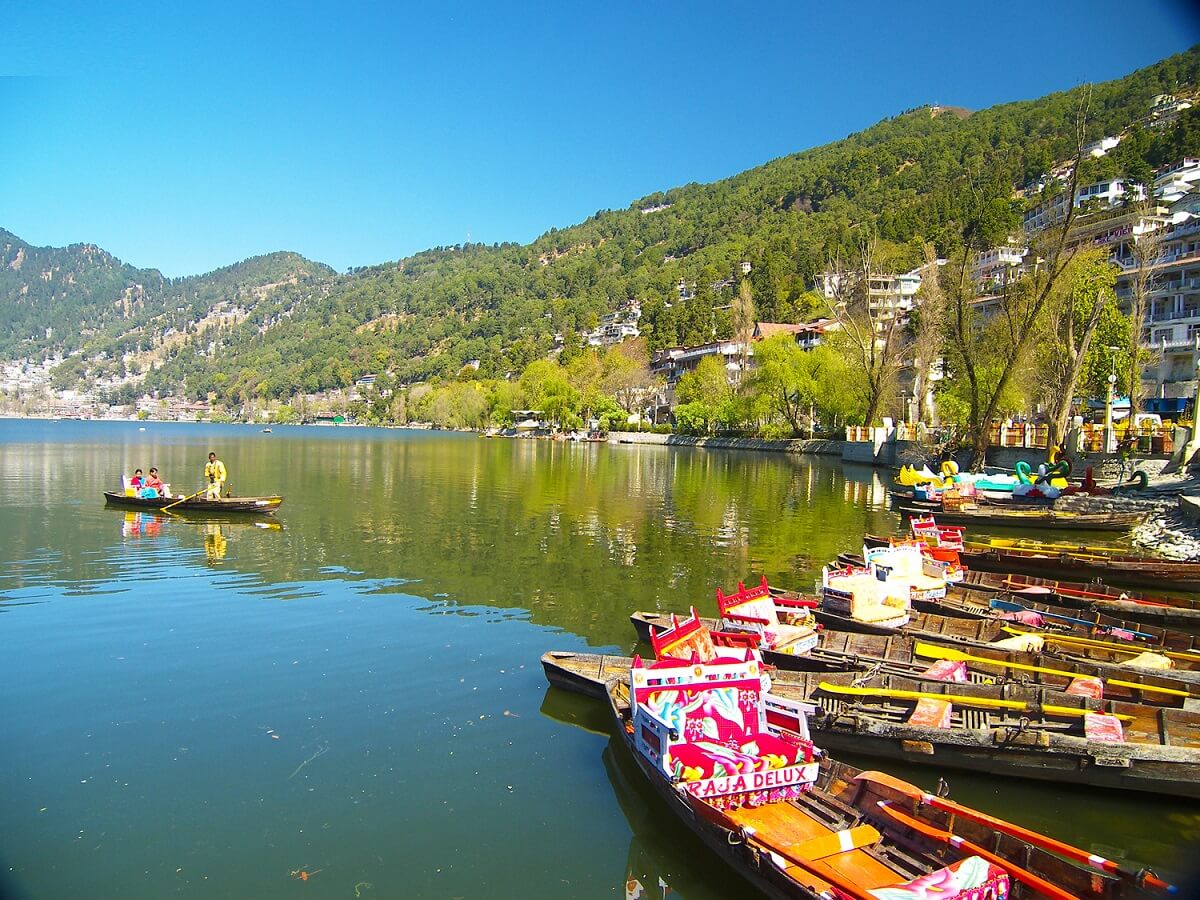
(137, 482)
(153, 486)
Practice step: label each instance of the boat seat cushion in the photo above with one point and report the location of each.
(948, 670)
(876, 613)
(1024, 643)
(920, 581)
(757, 608)
(1101, 727)
(1150, 660)
(931, 713)
(776, 634)
(1086, 686)
(781, 636)
(973, 874)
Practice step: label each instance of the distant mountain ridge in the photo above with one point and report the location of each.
(301, 327)
(64, 300)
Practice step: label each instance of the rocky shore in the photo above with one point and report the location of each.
(1165, 530)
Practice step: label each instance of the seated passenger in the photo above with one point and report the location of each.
(153, 486)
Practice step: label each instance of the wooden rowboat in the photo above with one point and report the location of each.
(260, 505)
(966, 601)
(1029, 518)
(1032, 576)
(1004, 730)
(838, 651)
(984, 499)
(1139, 571)
(851, 834)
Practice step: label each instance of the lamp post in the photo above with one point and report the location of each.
(1196, 397)
(1108, 414)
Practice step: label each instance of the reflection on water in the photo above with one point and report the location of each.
(205, 707)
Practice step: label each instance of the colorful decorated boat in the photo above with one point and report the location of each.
(1028, 571)
(736, 765)
(1012, 730)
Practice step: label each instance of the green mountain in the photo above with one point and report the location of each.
(922, 175)
(84, 303)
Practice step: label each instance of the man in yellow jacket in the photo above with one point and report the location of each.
(215, 473)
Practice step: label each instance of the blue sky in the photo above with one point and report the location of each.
(356, 133)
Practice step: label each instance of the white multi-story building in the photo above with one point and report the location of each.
(1173, 320)
(998, 266)
(1175, 181)
(616, 327)
(1165, 109)
(889, 295)
(1099, 195)
(1171, 274)
(1101, 147)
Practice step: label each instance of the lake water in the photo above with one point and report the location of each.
(212, 709)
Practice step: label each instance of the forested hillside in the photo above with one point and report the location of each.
(81, 298)
(923, 175)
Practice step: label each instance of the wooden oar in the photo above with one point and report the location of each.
(932, 652)
(181, 499)
(1029, 879)
(1188, 655)
(1010, 606)
(960, 700)
(1027, 544)
(1032, 837)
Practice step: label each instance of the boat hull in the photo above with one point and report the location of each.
(1036, 518)
(252, 505)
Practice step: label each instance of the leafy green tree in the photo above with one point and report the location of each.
(546, 388)
(1077, 305)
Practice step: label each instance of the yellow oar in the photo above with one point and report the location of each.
(932, 652)
(1029, 551)
(181, 499)
(1026, 544)
(1189, 655)
(985, 702)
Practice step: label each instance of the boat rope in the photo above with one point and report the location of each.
(868, 674)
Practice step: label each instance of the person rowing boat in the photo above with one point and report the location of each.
(214, 473)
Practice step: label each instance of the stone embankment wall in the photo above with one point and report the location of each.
(821, 447)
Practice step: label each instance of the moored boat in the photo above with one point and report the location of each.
(196, 504)
(1013, 730)
(1029, 518)
(935, 657)
(1127, 569)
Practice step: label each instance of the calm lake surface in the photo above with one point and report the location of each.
(209, 709)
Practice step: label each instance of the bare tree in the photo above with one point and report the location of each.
(742, 315)
(988, 353)
(928, 325)
(1084, 293)
(869, 327)
(1146, 250)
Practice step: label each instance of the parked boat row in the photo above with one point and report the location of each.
(743, 762)
(906, 653)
